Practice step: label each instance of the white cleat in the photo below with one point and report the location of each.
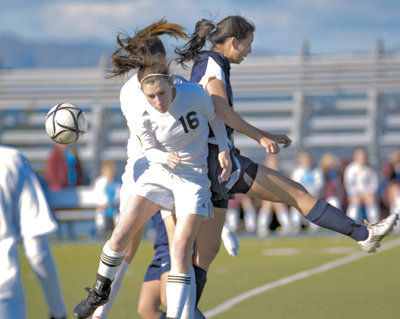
(377, 231)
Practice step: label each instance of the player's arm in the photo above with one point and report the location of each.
(216, 89)
(218, 128)
(150, 145)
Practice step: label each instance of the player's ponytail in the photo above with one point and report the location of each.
(196, 42)
(232, 26)
(144, 48)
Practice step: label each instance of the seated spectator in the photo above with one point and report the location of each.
(63, 169)
(106, 189)
(361, 184)
(267, 208)
(333, 190)
(312, 181)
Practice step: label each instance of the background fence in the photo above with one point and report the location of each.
(324, 103)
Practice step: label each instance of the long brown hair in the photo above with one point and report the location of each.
(145, 49)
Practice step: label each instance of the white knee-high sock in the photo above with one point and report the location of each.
(264, 218)
(353, 212)
(190, 305)
(110, 261)
(296, 219)
(372, 212)
(283, 217)
(178, 287)
(395, 207)
(232, 218)
(250, 219)
(103, 311)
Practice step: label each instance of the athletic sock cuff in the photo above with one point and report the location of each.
(317, 211)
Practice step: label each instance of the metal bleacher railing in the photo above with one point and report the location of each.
(323, 103)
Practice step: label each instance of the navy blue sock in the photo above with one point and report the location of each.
(201, 278)
(328, 216)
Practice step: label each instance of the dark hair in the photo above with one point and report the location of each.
(231, 26)
(145, 49)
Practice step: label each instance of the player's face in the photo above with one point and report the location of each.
(159, 93)
(241, 49)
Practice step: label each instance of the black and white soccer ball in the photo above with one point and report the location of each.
(65, 123)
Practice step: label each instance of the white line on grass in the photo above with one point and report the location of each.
(287, 280)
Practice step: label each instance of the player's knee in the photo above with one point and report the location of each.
(145, 311)
(36, 248)
(119, 239)
(182, 256)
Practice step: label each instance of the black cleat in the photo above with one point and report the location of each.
(87, 306)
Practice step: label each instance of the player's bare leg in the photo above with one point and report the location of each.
(207, 244)
(103, 311)
(179, 277)
(133, 217)
(273, 186)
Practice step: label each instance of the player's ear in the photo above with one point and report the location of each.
(233, 42)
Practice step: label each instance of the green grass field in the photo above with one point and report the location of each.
(366, 288)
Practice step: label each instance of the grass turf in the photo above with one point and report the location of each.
(365, 288)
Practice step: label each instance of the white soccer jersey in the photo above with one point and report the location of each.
(133, 102)
(184, 128)
(359, 179)
(24, 210)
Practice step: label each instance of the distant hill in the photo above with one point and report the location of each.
(18, 53)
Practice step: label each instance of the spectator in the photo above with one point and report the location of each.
(312, 181)
(63, 169)
(333, 190)
(361, 184)
(391, 191)
(267, 208)
(25, 216)
(106, 189)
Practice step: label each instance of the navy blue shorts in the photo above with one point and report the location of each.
(157, 267)
(244, 172)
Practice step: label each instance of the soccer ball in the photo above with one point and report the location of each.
(65, 123)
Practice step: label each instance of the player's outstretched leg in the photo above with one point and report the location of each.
(377, 231)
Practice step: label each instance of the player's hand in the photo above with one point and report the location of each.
(282, 139)
(226, 165)
(173, 159)
(272, 141)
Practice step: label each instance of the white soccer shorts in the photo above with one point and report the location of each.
(175, 190)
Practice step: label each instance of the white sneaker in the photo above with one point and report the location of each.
(376, 232)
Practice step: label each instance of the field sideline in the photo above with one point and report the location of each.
(365, 288)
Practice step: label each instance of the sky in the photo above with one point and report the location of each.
(329, 26)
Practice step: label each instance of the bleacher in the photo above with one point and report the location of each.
(323, 103)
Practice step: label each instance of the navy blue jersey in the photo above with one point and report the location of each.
(161, 242)
(202, 65)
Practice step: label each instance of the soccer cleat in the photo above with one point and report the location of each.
(376, 232)
(87, 306)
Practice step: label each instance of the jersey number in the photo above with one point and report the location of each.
(191, 119)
